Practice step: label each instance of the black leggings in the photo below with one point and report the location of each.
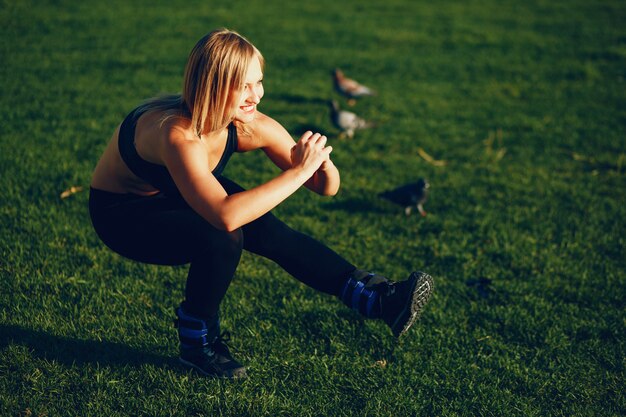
(166, 231)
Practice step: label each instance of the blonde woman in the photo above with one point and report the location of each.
(158, 196)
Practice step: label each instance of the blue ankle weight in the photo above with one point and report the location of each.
(194, 332)
(356, 296)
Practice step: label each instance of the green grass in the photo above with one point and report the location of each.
(524, 100)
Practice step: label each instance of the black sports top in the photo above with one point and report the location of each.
(154, 174)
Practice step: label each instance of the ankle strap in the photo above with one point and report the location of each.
(195, 331)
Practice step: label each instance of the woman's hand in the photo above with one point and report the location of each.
(310, 152)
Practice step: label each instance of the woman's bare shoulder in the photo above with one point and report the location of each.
(267, 124)
(260, 133)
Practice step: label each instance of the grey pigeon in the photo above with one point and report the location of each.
(410, 195)
(347, 121)
(350, 88)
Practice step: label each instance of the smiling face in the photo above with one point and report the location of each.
(222, 81)
(250, 94)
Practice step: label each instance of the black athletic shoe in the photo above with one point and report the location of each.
(402, 302)
(214, 360)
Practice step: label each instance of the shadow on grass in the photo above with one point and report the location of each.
(356, 205)
(70, 351)
(297, 99)
(321, 335)
(300, 129)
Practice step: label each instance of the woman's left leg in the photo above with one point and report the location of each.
(397, 303)
(305, 258)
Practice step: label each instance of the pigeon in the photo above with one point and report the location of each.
(350, 88)
(347, 121)
(410, 195)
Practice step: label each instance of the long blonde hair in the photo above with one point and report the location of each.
(214, 73)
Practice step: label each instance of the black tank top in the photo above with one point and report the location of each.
(154, 174)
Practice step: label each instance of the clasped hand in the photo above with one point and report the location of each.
(310, 152)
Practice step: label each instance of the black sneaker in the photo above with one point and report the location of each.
(402, 302)
(214, 360)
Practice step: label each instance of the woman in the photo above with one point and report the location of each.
(158, 196)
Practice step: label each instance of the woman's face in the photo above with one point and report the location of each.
(250, 94)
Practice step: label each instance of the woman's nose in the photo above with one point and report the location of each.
(255, 95)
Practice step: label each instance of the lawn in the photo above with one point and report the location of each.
(515, 112)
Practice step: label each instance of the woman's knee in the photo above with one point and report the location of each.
(229, 242)
(220, 245)
(235, 238)
(268, 234)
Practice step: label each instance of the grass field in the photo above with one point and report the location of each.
(524, 101)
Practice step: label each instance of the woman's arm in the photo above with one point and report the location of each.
(277, 143)
(187, 162)
(326, 179)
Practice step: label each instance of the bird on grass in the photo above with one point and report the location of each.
(346, 121)
(410, 195)
(350, 88)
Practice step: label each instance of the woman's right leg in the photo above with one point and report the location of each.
(166, 231)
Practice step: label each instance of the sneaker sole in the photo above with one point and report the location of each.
(239, 373)
(421, 290)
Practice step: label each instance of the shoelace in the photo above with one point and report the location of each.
(385, 288)
(220, 344)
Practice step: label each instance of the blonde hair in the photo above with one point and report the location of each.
(214, 73)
